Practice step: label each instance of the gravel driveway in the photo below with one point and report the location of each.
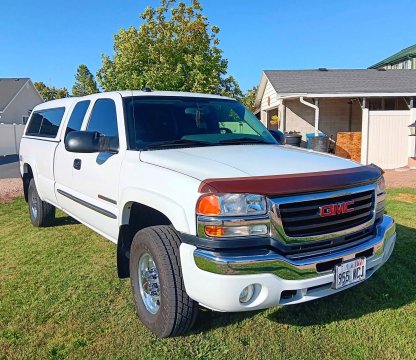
(400, 178)
(12, 188)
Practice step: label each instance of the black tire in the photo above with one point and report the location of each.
(41, 213)
(177, 312)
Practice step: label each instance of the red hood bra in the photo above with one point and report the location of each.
(275, 185)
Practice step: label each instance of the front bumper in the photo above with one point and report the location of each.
(216, 281)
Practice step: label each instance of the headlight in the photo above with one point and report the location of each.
(381, 185)
(231, 205)
(380, 196)
(224, 215)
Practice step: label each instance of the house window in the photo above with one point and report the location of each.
(390, 104)
(25, 118)
(375, 104)
(405, 64)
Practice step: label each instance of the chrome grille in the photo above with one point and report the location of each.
(303, 219)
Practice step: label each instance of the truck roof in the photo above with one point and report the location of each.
(125, 93)
(66, 102)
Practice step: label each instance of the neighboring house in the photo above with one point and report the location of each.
(404, 59)
(18, 96)
(375, 105)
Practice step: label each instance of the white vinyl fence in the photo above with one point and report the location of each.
(388, 138)
(10, 136)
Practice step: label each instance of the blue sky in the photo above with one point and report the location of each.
(46, 40)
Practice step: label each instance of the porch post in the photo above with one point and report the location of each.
(263, 117)
(282, 117)
(364, 132)
(412, 140)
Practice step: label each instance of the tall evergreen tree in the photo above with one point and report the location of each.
(84, 82)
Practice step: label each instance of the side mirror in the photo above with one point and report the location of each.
(279, 136)
(90, 142)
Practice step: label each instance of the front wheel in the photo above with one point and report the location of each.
(157, 285)
(41, 213)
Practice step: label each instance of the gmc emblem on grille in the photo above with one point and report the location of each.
(336, 209)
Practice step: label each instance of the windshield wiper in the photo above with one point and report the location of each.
(243, 140)
(181, 142)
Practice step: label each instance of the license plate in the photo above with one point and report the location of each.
(349, 272)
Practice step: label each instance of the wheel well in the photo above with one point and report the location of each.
(27, 176)
(141, 216)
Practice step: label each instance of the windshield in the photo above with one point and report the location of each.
(156, 122)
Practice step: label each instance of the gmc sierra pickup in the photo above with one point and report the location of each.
(205, 205)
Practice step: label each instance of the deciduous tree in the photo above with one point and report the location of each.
(175, 48)
(249, 98)
(50, 92)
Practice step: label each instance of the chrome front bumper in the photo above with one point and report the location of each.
(376, 249)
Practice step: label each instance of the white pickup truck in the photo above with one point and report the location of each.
(205, 205)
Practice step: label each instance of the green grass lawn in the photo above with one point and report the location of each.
(60, 298)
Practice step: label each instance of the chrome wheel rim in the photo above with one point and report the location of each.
(34, 205)
(149, 283)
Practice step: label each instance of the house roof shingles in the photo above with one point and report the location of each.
(9, 87)
(342, 81)
(409, 52)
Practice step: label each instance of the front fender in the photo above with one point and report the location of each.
(170, 192)
(167, 206)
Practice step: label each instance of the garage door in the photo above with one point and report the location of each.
(388, 138)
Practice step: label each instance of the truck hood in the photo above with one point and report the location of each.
(244, 160)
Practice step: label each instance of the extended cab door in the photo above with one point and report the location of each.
(92, 195)
(64, 160)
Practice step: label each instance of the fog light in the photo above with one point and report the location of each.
(246, 294)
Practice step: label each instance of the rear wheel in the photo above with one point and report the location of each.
(41, 213)
(157, 285)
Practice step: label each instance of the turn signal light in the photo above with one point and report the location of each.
(214, 230)
(209, 205)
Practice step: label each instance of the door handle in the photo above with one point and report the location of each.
(77, 164)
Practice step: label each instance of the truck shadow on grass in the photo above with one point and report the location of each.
(65, 220)
(210, 320)
(391, 287)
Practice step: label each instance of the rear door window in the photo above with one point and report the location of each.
(45, 123)
(34, 124)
